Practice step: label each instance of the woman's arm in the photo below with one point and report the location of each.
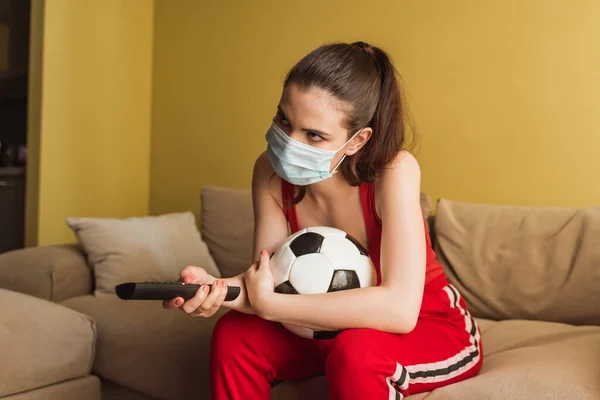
(394, 306)
(241, 302)
(270, 225)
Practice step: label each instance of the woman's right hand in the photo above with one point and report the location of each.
(206, 302)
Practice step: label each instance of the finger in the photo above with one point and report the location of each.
(212, 297)
(218, 303)
(263, 261)
(192, 274)
(221, 298)
(264, 257)
(248, 274)
(193, 303)
(173, 303)
(210, 312)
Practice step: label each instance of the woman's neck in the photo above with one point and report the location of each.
(330, 191)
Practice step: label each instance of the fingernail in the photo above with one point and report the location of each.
(264, 253)
(178, 302)
(205, 288)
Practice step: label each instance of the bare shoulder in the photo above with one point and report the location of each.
(403, 171)
(264, 178)
(262, 166)
(401, 180)
(404, 164)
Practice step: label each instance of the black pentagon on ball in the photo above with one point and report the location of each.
(324, 335)
(286, 288)
(344, 279)
(306, 243)
(359, 246)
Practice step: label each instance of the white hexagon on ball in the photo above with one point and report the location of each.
(281, 264)
(311, 274)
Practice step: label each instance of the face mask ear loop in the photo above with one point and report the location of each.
(344, 156)
(338, 164)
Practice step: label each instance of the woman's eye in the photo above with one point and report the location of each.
(314, 137)
(283, 119)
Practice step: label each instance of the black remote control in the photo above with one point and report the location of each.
(165, 291)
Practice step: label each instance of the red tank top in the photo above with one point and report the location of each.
(373, 226)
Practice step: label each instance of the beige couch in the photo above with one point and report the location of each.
(531, 277)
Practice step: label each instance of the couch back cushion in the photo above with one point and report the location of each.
(137, 249)
(227, 226)
(522, 262)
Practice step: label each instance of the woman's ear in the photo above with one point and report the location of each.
(359, 141)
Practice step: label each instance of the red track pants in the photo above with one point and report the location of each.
(249, 354)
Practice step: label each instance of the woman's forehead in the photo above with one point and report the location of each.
(312, 108)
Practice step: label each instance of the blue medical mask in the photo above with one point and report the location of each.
(299, 163)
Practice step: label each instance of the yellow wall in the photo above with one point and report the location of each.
(505, 93)
(95, 104)
(34, 120)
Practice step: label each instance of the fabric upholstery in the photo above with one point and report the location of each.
(41, 343)
(523, 262)
(511, 263)
(522, 360)
(51, 272)
(426, 205)
(227, 226)
(152, 248)
(112, 391)
(533, 360)
(159, 353)
(86, 388)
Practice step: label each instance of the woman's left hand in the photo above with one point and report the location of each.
(260, 284)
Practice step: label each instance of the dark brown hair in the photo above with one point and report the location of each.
(363, 77)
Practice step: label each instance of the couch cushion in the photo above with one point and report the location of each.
(312, 388)
(227, 226)
(48, 272)
(159, 353)
(87, 388)
(41, 343)
(523, 262)
(154, 248)
(533, 360)
(112, 391)
(522, 360)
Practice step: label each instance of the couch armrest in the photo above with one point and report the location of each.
(53, 273)
(43, 343)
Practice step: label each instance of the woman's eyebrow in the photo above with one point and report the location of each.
(318, 132)
(307, 130)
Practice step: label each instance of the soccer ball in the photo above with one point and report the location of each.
(320, 260)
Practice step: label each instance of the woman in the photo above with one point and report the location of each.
(335, 157)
